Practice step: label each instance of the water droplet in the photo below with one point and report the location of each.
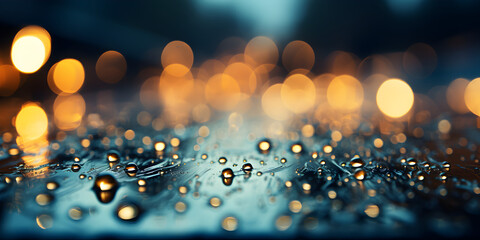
(43, 199)
(215, 202)
(52, 185)
(180, 207)
(372, 211)
(264, 146)
(75, 213)
(128, 211)
(141, 182)
(227, 173)
(359, 174)
(247, 168)
(283, 223)
(44, 221)
(446, 164)
(182, 190)
(296, 148)
(443, 176)
(204, 156)
(356, 162)
(420, 176)
(105, 182)
(131, 169)
(82, 176)
(105, 187)
(222, 160)
(227, 176)
(295, 206)
(230, 224)
(76, 159)
(76, 167)
(283, 160)
(411, 162)
(113, 156)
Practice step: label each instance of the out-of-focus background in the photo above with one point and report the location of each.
(85, 29)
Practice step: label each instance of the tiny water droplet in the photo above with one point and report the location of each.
(43, 199)
(52, 185)
(359, 174)
(128, 211)
(75, 213)
(356, 162)
(247, 168)
(131, 169)
(264, 146)
(113, 156)
(296, 148)
(215, 202)
(222, 160)
(180, 207)
(446, 164)
(411, 162)
(230, 224)
(76, 167)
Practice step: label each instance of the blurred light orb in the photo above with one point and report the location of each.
(456, 95)
(272, 103)
(261, 50)
(30, 49)
(345, 93)
(28, 54)
(395, 98)
(175, 88)
(68, 75)
(222, 92)
(68, 111)
(298, 93)
(9, 80)
(111, 66)
(298, 55)
(472, 98)
(177, 52)
(343, 63)
(31, 122)
(244, 75)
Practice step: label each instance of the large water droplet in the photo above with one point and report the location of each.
(105, 187)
